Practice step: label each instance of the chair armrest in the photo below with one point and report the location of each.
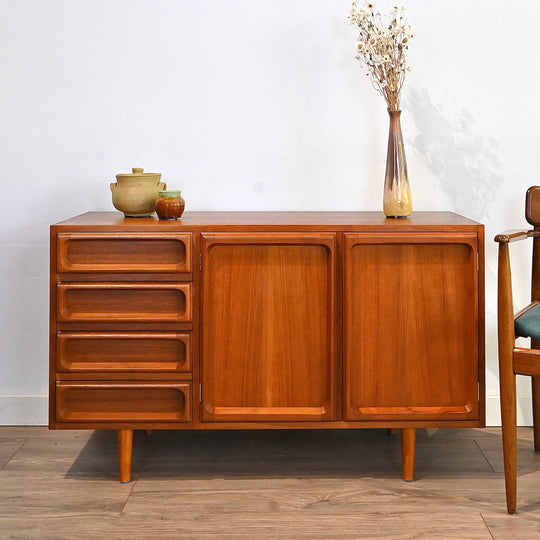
(514, 235)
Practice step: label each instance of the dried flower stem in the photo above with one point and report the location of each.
(382, 43)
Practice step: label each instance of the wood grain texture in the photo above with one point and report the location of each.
(535, 387)
(125, 446)
(249, 221)
(8, 448)
(124, 302)
(408, 444)
(106, 352)
(535, 296)
(193, 485)
(113, 252)
(123, 401)
(258, 299)
(268, 327)
(411, 324)
(517, 360)
(532, 205)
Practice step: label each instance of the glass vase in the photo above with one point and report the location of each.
(397, 200)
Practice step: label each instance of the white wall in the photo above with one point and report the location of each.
(249, 105)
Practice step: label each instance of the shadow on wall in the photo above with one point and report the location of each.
(464, 164)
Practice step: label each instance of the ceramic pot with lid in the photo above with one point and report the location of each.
(135, 194)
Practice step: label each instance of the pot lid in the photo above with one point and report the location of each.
(138, 172)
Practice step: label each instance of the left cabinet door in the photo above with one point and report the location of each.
(268, 348)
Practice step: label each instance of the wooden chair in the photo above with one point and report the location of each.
(518, 360)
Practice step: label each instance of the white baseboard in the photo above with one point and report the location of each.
(33, 411)
(24, 410)
(524, 411)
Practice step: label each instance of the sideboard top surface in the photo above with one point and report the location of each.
(113, 221)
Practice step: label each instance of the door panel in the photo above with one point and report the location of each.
(411, 327)
(268, 327)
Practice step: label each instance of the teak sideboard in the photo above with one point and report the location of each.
(267, 320)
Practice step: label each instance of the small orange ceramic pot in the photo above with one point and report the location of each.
(170, 205)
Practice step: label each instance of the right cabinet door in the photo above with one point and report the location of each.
(411, 326)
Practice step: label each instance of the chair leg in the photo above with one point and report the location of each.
(507, 377)
(509, 435)
(535, 381)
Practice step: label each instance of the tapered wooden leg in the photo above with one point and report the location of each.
(125, 445)
(408, 444)
(536, 411)
(507, 378)
(509, 435)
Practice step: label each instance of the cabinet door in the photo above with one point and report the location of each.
(411, 326)
(268, 327)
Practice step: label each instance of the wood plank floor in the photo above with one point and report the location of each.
(263, 485)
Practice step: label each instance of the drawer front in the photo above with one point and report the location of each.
(112, 252)
(123, 402)
(123, 352)
(124, 302)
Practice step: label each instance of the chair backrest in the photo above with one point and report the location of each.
(532, 206)
(532, 214)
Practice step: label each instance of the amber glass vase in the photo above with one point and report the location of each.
(397, 201)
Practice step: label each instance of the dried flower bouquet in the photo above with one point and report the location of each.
(382, 43)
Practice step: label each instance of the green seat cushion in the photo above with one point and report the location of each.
(528, 324)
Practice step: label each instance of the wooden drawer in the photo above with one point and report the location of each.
(124, 302)
(112, 252)
(123, 402)
(123, 352)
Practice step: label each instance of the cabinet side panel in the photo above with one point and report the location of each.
(52, 328)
